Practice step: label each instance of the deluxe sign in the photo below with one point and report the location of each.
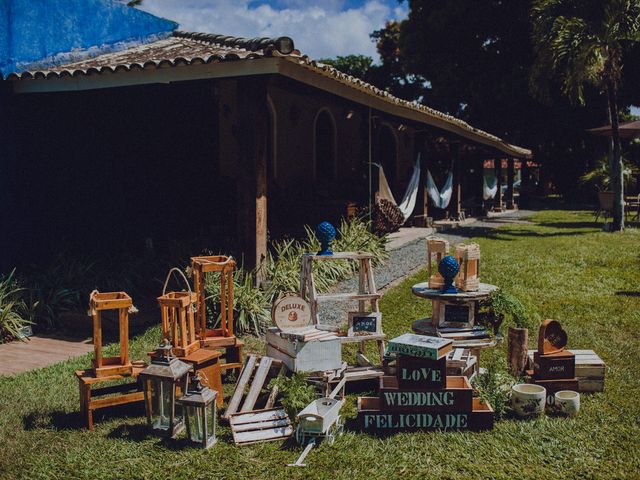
(291, 312)
(414, 421)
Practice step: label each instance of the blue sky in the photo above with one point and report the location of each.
(319, 29)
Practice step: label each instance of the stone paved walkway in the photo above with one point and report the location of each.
(40, 351)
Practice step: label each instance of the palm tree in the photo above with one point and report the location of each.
(581, 42)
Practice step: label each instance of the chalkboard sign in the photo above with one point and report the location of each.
(364, 323)
(457, 313)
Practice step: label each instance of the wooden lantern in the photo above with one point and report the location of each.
(468, 256)
(437, 249)
(178, 325)
(98, 303)
(224, 265)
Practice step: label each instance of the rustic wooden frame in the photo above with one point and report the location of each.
(225, 266)
(468, 278)
(178, 323)
(98, 303)
(437, 249)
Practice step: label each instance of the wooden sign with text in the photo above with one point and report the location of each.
(456, 397)
(421, 373)
(363, 323)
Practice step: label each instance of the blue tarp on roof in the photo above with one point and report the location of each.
(49, 32)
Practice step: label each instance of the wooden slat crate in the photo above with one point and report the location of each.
(590, 370)
(300, 356)
(260, 426)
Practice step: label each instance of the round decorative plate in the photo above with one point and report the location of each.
(290, 312)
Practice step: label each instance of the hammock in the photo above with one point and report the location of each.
(489, 191)
(439, 198)
(409, 200)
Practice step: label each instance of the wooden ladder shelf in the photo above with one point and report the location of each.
(367, 292)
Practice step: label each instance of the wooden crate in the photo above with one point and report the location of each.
(590, 370)
(178, 323)
(312, 356)
(455, 397)
(421, 373)
(554, 366)
(266, 425)
(372, 419)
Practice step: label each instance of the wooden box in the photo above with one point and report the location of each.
(455, 397)
(421, 373)
(590, 370)
(373, 420)
(554, 366)
(421, 346)
(298, 356)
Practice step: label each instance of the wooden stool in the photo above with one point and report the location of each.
(129, 392)
(233, 357)
(207, 362)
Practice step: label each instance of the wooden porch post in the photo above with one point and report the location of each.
(420, 219)
(479, 163)
(497, 165)
(511, 204)
(252, 172)
(455, 206)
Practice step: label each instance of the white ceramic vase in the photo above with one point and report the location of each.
(528, 400)
(567, 402)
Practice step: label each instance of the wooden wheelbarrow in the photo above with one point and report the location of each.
(320, 420)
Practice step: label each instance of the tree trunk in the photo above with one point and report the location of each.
(617, 180)
(517, 346)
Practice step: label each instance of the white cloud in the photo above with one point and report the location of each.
(319, 31)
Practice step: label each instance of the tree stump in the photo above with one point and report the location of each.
(517, 346)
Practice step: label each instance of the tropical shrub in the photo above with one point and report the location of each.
(13, 309)
(295, 392)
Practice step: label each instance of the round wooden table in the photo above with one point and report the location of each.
(422, 290)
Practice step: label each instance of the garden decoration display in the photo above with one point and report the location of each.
(448, 268)
(99, 303)
(177, 311)
(325, 233)
(199, 406)
(222, 337)
(468, 257)
(421, 396)
(160, 381)
(320, 420)
(554, 368)
(437, 249)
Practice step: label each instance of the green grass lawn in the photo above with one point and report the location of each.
(562, 267)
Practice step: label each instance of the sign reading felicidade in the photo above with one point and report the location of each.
(291, 312)
(364, 323)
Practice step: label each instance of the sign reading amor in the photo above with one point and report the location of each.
(290, 312)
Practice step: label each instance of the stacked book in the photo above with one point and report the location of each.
(421, 396)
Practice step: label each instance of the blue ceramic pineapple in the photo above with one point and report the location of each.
(449, 268)
(325, 233)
